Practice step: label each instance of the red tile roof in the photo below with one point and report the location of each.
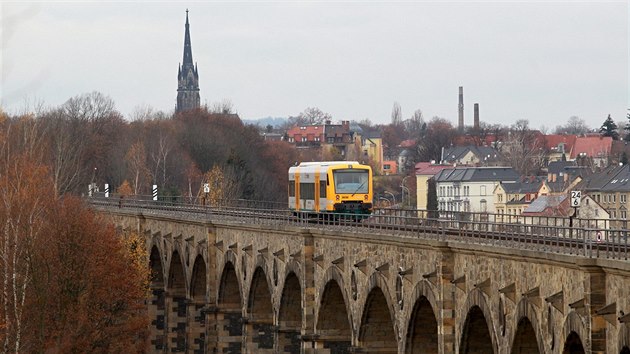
(552, 140)
(427, 168)
(592, 146)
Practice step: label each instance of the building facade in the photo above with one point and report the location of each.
(471, 189)
(187, 78)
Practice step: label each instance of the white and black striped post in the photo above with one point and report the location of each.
(155, 192)
(90, 189)
(106, 190)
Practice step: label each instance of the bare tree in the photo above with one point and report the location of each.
(415, 125)
(310, 116)
(396, 114)
(136, 160)
(224, 107)
(575, 125)
(523, 149)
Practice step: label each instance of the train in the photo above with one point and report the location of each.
(331, 187)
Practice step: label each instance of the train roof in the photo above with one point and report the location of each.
(327, 163)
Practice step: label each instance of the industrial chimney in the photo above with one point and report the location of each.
(476, 123)
(460, 126)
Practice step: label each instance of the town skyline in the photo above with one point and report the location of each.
(534, 61)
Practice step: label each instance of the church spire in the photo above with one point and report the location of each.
(187, 77)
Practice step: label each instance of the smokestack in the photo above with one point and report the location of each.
(476, 126)
(460, 126)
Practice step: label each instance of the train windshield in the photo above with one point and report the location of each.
(351, 181)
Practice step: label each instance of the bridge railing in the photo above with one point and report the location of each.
(542, 234)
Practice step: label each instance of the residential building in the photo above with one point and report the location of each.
(611, 189)
(559, 146)
(471, 155)
(305, 136)
(555, 210)
(424, 172)
(390, 168)
(562, 176)
(593, 148)
(471, 188)
(372, 146)
(512, 198)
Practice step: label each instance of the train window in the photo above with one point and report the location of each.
(291, 188)
(351, 181)
(307, 191)
(322, 189)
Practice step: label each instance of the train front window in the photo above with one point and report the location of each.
(351, 181)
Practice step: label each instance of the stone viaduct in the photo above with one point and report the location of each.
(232, 286)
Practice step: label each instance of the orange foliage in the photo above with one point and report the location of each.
(90, 286)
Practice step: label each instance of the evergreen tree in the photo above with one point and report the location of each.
(609, 128)
(627, 128)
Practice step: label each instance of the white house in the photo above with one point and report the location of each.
(471, 188)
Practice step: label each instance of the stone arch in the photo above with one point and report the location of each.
(477, 310)
(260, 310)
(229, 319)
(624, 338)
(422, 324)
(198, 281)
(199, 298)
(378, 330)
(176, 304)
(333, 320)
(574, 324)
(573, 344)
(156, 267)
(156, 304)
(230, 287)
(290, 315)
(526, 337)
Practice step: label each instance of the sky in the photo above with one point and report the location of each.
(535, 60)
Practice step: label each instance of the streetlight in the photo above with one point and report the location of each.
(393, 197)
(402, 188)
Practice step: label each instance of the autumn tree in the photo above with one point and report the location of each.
(24, 197)
(223, 185)
(89, 286)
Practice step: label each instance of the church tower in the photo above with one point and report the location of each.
(187, 78)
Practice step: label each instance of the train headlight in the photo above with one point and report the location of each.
(337, 197)
(365, 197)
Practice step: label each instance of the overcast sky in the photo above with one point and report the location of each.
(530, 60)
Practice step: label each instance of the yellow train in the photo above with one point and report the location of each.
(331, 187)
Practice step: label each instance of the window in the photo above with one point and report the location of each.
(303, 139)
(622, 198)
(597, 198)
(500, 196)
(623, 214)
(291, 188)
(351, 181)
(322, 189)
(613, 214)
(483, 190)
(614, 198)
(483, 205)
(307, 191)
